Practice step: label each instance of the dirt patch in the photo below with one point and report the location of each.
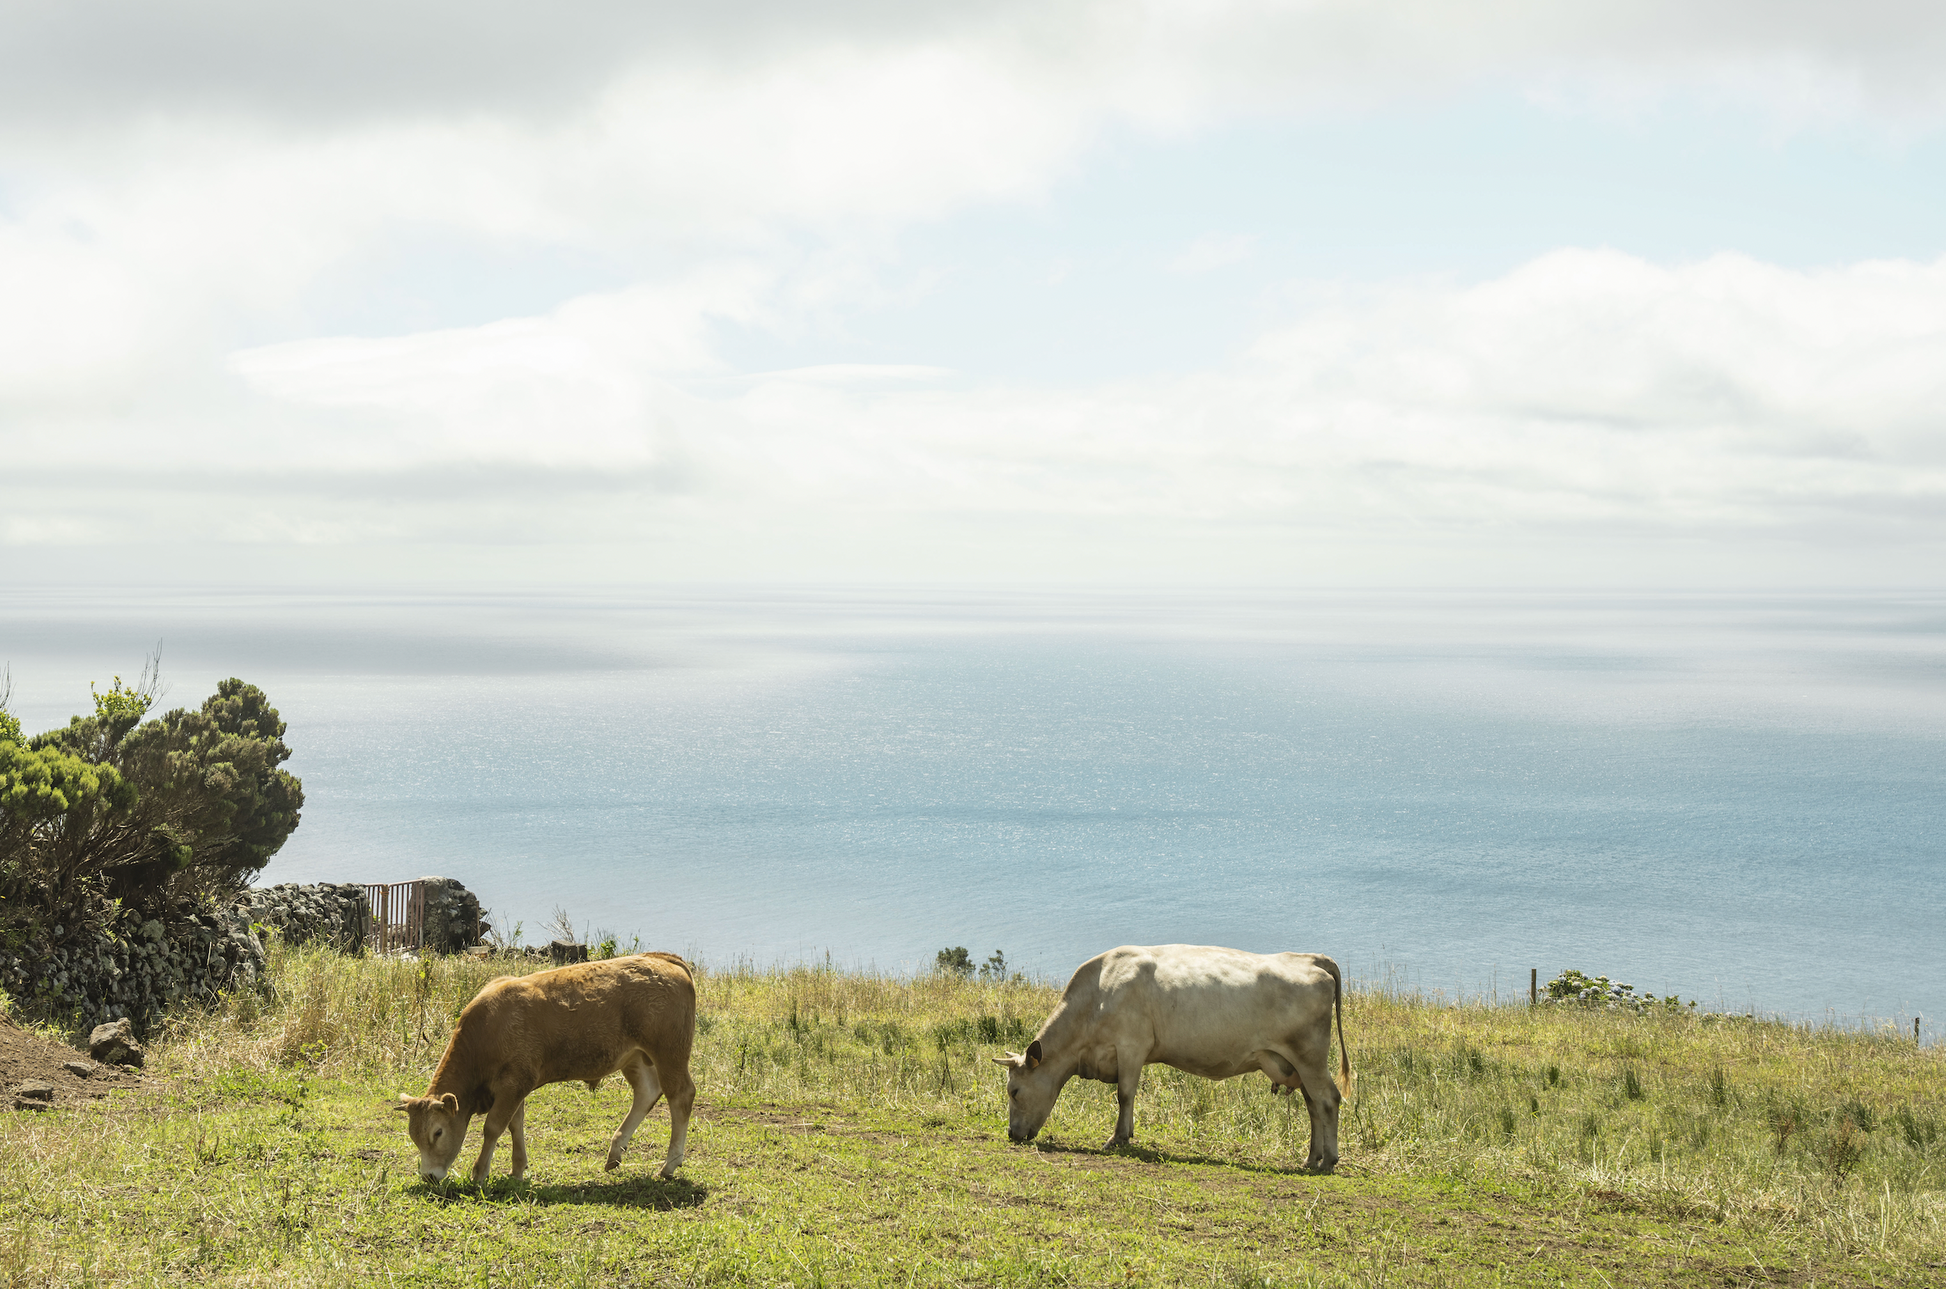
(28, 1058)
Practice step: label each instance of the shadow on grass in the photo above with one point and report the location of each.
(650, 1191)
(1150, 1155)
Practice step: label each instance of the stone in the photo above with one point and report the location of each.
(114, 1044)
(35, 1090)
(562, 952)
(79, 1069)
(453, 922)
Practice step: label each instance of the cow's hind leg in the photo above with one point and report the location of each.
(518, 1126)
(1321, 1097)
(641, 1076)
(682, 1099)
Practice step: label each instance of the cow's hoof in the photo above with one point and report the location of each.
(667, 1174)
(612, 1164)
(1117, 1141)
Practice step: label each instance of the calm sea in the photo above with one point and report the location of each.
(1738, 799)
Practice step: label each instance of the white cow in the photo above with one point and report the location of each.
(1214, 1012)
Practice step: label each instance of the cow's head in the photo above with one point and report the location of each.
(1031, 1089)
(437, 1129)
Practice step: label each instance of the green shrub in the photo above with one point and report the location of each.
(114, 807)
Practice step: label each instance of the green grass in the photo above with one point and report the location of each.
(850, 1130)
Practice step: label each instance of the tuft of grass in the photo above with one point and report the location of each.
(1718, 1094)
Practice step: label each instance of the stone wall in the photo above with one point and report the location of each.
(135, 968)
(138, 968)
(337, 914)
(332, 913)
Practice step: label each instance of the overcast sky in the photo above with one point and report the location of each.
(1512, 292)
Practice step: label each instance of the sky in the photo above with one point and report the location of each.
(1386, 293)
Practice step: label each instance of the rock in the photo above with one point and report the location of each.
(79, 1069)
(35, 1090)
(114, 1044)
(562, 952)
(453, 922)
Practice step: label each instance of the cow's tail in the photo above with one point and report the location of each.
(1346, 1079)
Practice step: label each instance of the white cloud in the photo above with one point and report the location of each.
(1586, 389)
(1588, 396)
(173, 174)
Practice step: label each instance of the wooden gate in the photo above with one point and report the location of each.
(398, 916)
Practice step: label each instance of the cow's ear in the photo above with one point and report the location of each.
(451, 1103)
(1033, 1054)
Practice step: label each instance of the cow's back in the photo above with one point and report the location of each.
(1199, 999)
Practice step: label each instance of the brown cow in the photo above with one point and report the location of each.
(636, 1015)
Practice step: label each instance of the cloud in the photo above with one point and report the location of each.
(173, 175)
(181, 184)
(584, 387)
(1587, 396)
(314, 64)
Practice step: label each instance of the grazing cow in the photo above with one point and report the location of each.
(1208, 1011)
(636, 1015)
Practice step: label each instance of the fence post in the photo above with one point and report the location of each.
(1533, 986)
(1915, 1031)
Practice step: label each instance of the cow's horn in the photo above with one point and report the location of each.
(1010, 1060)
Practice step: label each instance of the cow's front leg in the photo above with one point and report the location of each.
(491, 1127)
(1128, 1078)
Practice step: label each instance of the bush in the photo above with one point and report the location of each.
(114, 808)
(1573, 987)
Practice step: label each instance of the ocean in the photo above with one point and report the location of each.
(1734, 798)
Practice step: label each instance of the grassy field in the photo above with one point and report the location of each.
(850, 1130)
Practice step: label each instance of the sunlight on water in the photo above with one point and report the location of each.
(1737, 799)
